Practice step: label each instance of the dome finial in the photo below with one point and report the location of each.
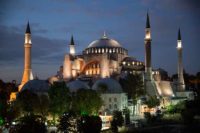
(104, 34)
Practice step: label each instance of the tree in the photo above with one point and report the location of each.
(117, 121)
(30, 102)
(27, 101)
(133, 86)
(152, 102)
(42, 105)
(3, 106)
(5, 91)
(89, 124)
(30, 123)
(60, 99)
(14, 111)
(67, 122)
(176, 108)
(126, 112)
(87, 101)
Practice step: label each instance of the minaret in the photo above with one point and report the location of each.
(27, 58)
(181, 83)
(148, 69)
(72, 47)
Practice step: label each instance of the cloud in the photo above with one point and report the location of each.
(12, 48)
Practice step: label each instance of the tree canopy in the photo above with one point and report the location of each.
(87, 101)
(152, 102)
(132, 84)
(60, 99)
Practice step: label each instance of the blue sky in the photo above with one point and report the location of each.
(54, 21)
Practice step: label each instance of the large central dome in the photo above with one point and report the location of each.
(104, 42)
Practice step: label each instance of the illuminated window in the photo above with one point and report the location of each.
(99, 50)
(133, 62)
(124, 63)
(103, 50)
(110, 51)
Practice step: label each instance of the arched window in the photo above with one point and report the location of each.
(110, 51)
(102, 50)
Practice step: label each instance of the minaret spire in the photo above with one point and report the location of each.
(28, 28)
(72, 40)
(147, 22)
(179, 34)
(181, 83)
(72, 46)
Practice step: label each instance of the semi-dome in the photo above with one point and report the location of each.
(36, 86)
(104, 42)
(76, 85)
(111, 86)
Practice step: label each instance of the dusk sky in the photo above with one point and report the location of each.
(53, 22)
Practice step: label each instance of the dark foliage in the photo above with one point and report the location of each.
(152, 102)
(30, 124)
(60, 99)
(82, 103)
(117, 121)
(133, 86)
(89, 124)
(67, 122)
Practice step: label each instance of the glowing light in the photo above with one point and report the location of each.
(148, 35)
(179, 44)
(72, 49)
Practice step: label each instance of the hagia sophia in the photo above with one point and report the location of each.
(102, 60)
